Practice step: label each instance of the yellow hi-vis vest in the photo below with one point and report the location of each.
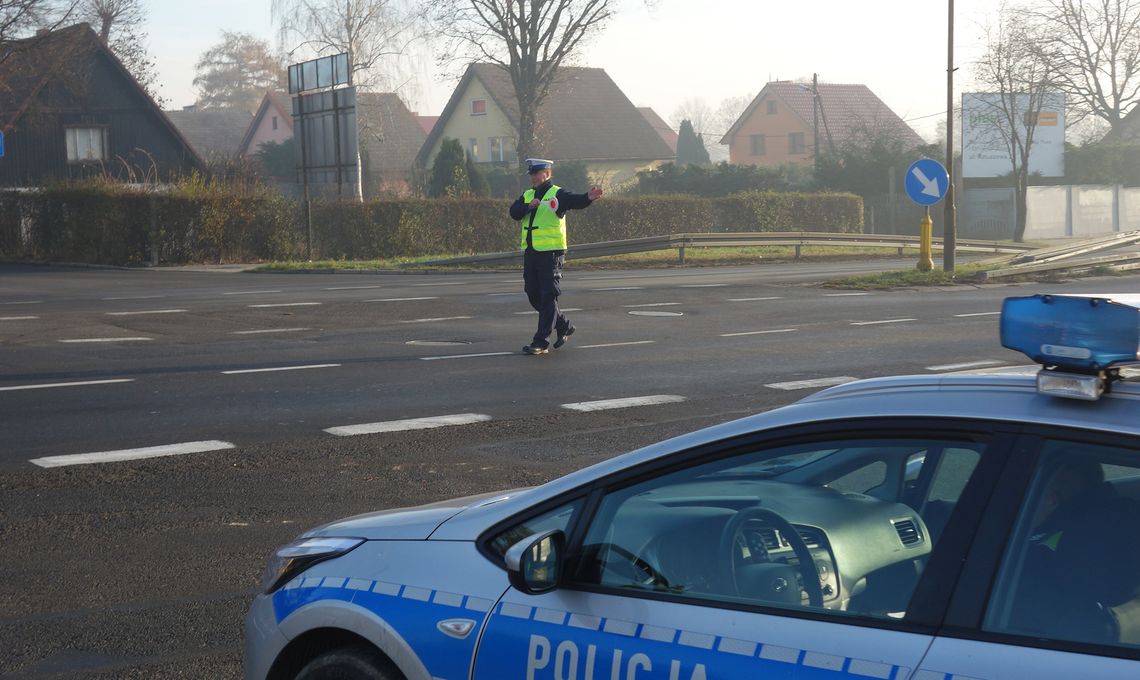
(548, 229)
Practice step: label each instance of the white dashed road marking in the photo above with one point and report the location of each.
(845, 294)
(449, 283)
(805, 384)
(279, 368)
(287, 304)
(66, 384)
(251, 292)
(643, 313)
(964, 366)
(617, 344)
(351, 287)
(23, 302)
(599, 290)
(517, 292)
(606, 404)
(412, 424)
(654, 304)
(874, 323)
(440, 318)
(704, 285)
(108, 340)
(271, 330)
(132, 454)
(408, 299)
(149, 311)
(467, 356)
(136, 297)
(963, 316)
(755, 299)
(775, 330)
(18, 318)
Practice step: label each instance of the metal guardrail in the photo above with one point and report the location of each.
(1060, 258)
(798, 239)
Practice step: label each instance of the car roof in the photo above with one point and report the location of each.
(996, 397)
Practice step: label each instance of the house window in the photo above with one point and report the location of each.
(796, 143)
(86, 144)
(274, 122)
(478, 107)
(759, 145)
(771, 107)
(473, 148)
(502, 149)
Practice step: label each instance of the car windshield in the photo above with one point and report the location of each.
(764, 469)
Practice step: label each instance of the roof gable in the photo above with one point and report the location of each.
(32, 64)
(848, 111)
(271, 102)
(585, 117)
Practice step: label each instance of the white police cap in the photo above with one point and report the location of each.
(534, 164)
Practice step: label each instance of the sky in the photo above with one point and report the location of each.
(665, 52)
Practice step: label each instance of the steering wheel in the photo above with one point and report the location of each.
(806, 566)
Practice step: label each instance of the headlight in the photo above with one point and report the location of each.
(293, 558)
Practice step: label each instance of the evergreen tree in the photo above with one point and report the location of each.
(690, 147)
(449, 171)
(476, 179)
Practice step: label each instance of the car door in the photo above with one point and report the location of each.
(721, 562)
(1061, 548)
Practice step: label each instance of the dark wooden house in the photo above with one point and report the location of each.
(69, 109)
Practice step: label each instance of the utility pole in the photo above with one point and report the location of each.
(949, 212)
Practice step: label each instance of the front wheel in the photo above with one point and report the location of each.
(359, 662)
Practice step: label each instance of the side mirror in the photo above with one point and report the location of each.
(534, 563)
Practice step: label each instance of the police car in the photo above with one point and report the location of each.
(926, 527)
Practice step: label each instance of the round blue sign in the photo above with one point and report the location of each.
(926, 181)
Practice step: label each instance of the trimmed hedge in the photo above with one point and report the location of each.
(205, 221)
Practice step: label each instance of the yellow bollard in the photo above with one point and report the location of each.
(925, 262)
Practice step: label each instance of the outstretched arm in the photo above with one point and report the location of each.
(570, 201)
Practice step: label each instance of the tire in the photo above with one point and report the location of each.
(359, 662)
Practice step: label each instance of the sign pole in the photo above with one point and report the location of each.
(925, 262)
(949, 211)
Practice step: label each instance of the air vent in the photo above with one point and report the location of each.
(811, 537)
(770, 539)
(908, 531)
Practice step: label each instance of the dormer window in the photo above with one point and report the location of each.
(478, 107)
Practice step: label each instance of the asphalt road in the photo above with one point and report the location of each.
(144, 568)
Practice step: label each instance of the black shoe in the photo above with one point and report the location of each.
(535, 349)
(563, 336)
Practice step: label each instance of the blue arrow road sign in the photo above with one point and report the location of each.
(926, 181)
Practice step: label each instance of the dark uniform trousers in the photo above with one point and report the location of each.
(542, 277)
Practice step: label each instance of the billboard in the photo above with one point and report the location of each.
(986, 134)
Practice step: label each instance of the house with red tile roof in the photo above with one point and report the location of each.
(789, 122)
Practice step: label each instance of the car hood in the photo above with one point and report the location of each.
(409, 524)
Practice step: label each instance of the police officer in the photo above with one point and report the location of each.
(542, 211)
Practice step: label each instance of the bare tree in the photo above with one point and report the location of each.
(236, 72)
(20, 17)
(1020, 81)
(529, 39)
(1094, 48)
(374, 34)
(119, 24)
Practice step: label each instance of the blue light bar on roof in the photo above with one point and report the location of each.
(1075, 332)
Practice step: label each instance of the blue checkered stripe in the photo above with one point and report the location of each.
(413, 611)
(471, 603)
(716, 649)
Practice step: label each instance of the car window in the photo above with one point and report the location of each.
(1072, 568)
(725, 532)
(558, 518)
